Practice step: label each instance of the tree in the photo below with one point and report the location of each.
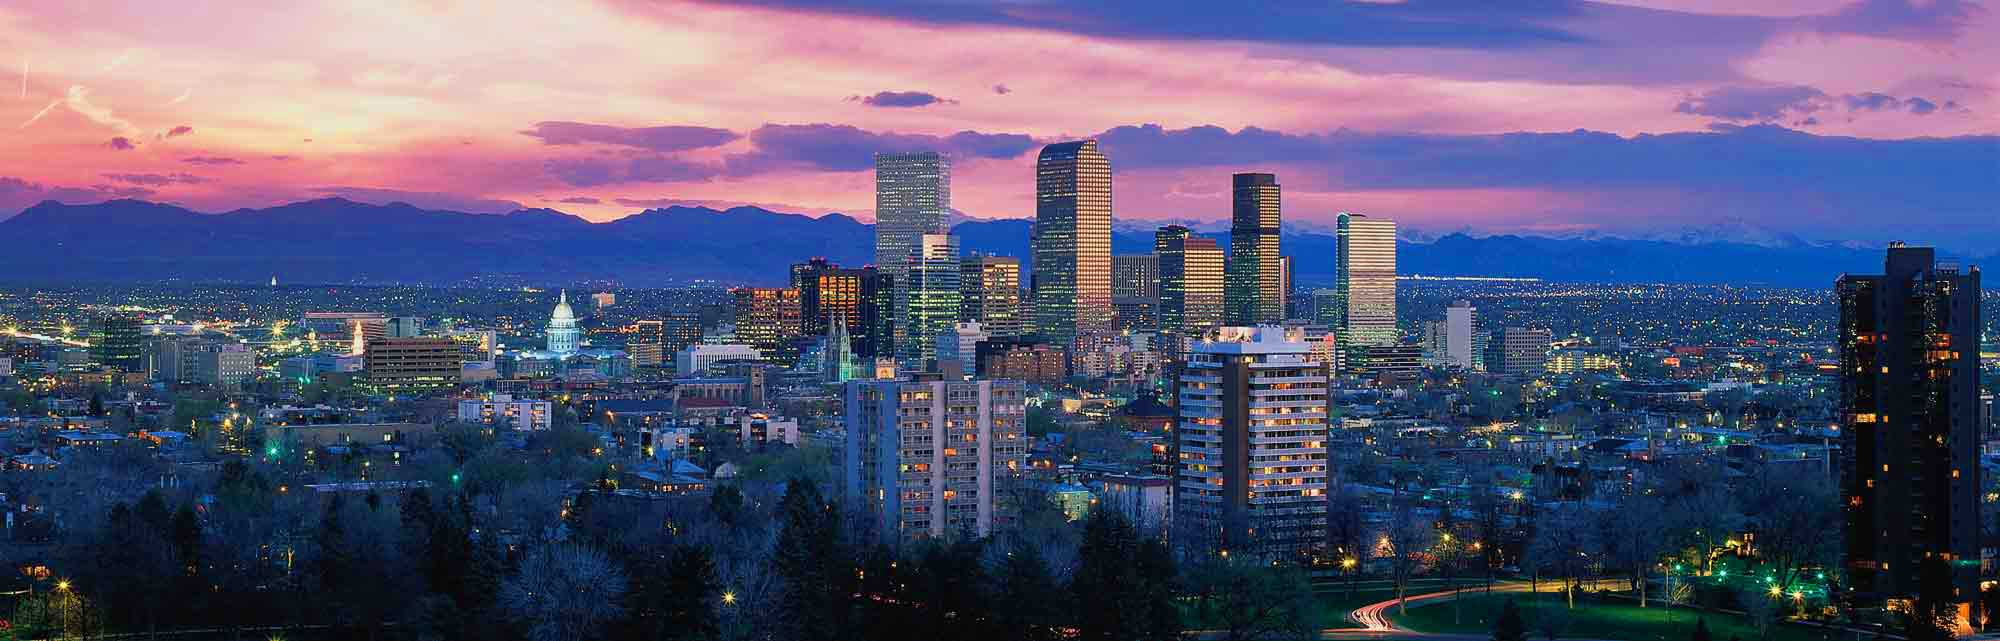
(692, 591)
(1509, 627)
(1023, 609)
(1404, 539)
(1563, 542)
(1122, 588)
(1629, 533)
(1931, 617)
(563, 593)
(1252, 600)
(813, 562)
(1701, 630)
(1793, 510)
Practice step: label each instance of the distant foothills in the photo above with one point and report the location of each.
(340, 241)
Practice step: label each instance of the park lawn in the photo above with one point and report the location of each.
(1592, 620)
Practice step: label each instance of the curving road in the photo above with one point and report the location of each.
(1375, 623)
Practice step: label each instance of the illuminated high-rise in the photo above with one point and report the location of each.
(990, 294)
(933, 275)
(1366, 284)
(768, 319)
(1072, 241)
(1191, 275)
(1254, 292)
(1909, 437)
(1249, 449)
(912, 198)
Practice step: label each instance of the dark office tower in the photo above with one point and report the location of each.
(1254, 292)
(805, 278)
(115, 343)
(1072, 242)
(1909, 399)
(874, 334)
(990, 294)
(1135, 292)
(1190, 281)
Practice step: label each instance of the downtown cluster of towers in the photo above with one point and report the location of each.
(1071, 268)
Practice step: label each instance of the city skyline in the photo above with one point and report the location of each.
(436, 105)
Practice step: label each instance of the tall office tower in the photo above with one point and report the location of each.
(806, 279)
(990, 294)
(767, 318)
(1909, 399)
(1135, 292)
(1072, 242)
(1190, 281)
(646, 342)
(933, 273)
(403, 365)
(932, 458)
(912, 198)
(1254, 292)
(1461, 327)
(1518, 351)
(115, 342)
(1285, 285)
(1366, 260)
(1250, 444)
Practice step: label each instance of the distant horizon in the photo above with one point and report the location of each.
(1831, 120)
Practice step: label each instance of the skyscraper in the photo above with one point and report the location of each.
(933, 275)
(1191, 275)
(1366, 283)
(990, 294)
(1072, 241)
(1518, 351)
(1250, 445)
(1909, 408)
(1254, 292)
(115, 343)
(912, 198)
(768, 319)
(1461, 332)
(1135, 292)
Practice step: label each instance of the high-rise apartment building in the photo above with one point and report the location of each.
(1249, 449)
(1518, 351)
(936, 457)
(1254, 292)
(933, 273)
(1366, 282)
(1072, 270)
(1191, 281)
(990, 294)
(1909, 408)
(769, 319)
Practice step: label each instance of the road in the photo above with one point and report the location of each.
(1375, 623)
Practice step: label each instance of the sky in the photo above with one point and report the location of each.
(1856, 121)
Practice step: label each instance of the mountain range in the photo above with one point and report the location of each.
(335, 240)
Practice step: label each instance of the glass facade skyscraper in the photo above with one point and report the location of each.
(933, 290)
(990, 294)
(912, 198)
(1190, 281)
(1366, 284)
(1072, 277)
(1254, 293)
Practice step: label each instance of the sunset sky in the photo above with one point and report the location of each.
(1825, 119)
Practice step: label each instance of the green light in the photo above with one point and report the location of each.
(454, 478)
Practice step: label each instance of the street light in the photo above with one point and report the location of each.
(729, 598)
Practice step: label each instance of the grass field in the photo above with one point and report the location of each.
(1624, 622)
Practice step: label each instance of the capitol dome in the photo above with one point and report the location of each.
(563, 332)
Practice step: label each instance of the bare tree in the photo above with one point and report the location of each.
(1563, 542)
(1794, 512)
(1404, 539)
(564, 593)
(1630, 537)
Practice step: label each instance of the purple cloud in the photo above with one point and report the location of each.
(1002, 90)
(902, 99)
(666, 138)
(158, 180)
(592, 172)
(830, 147)
(121, 143)
(179, 131)
(1928, 20)
(1754, 103)
(212, 160)
(580, 200)
(1919, 106)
